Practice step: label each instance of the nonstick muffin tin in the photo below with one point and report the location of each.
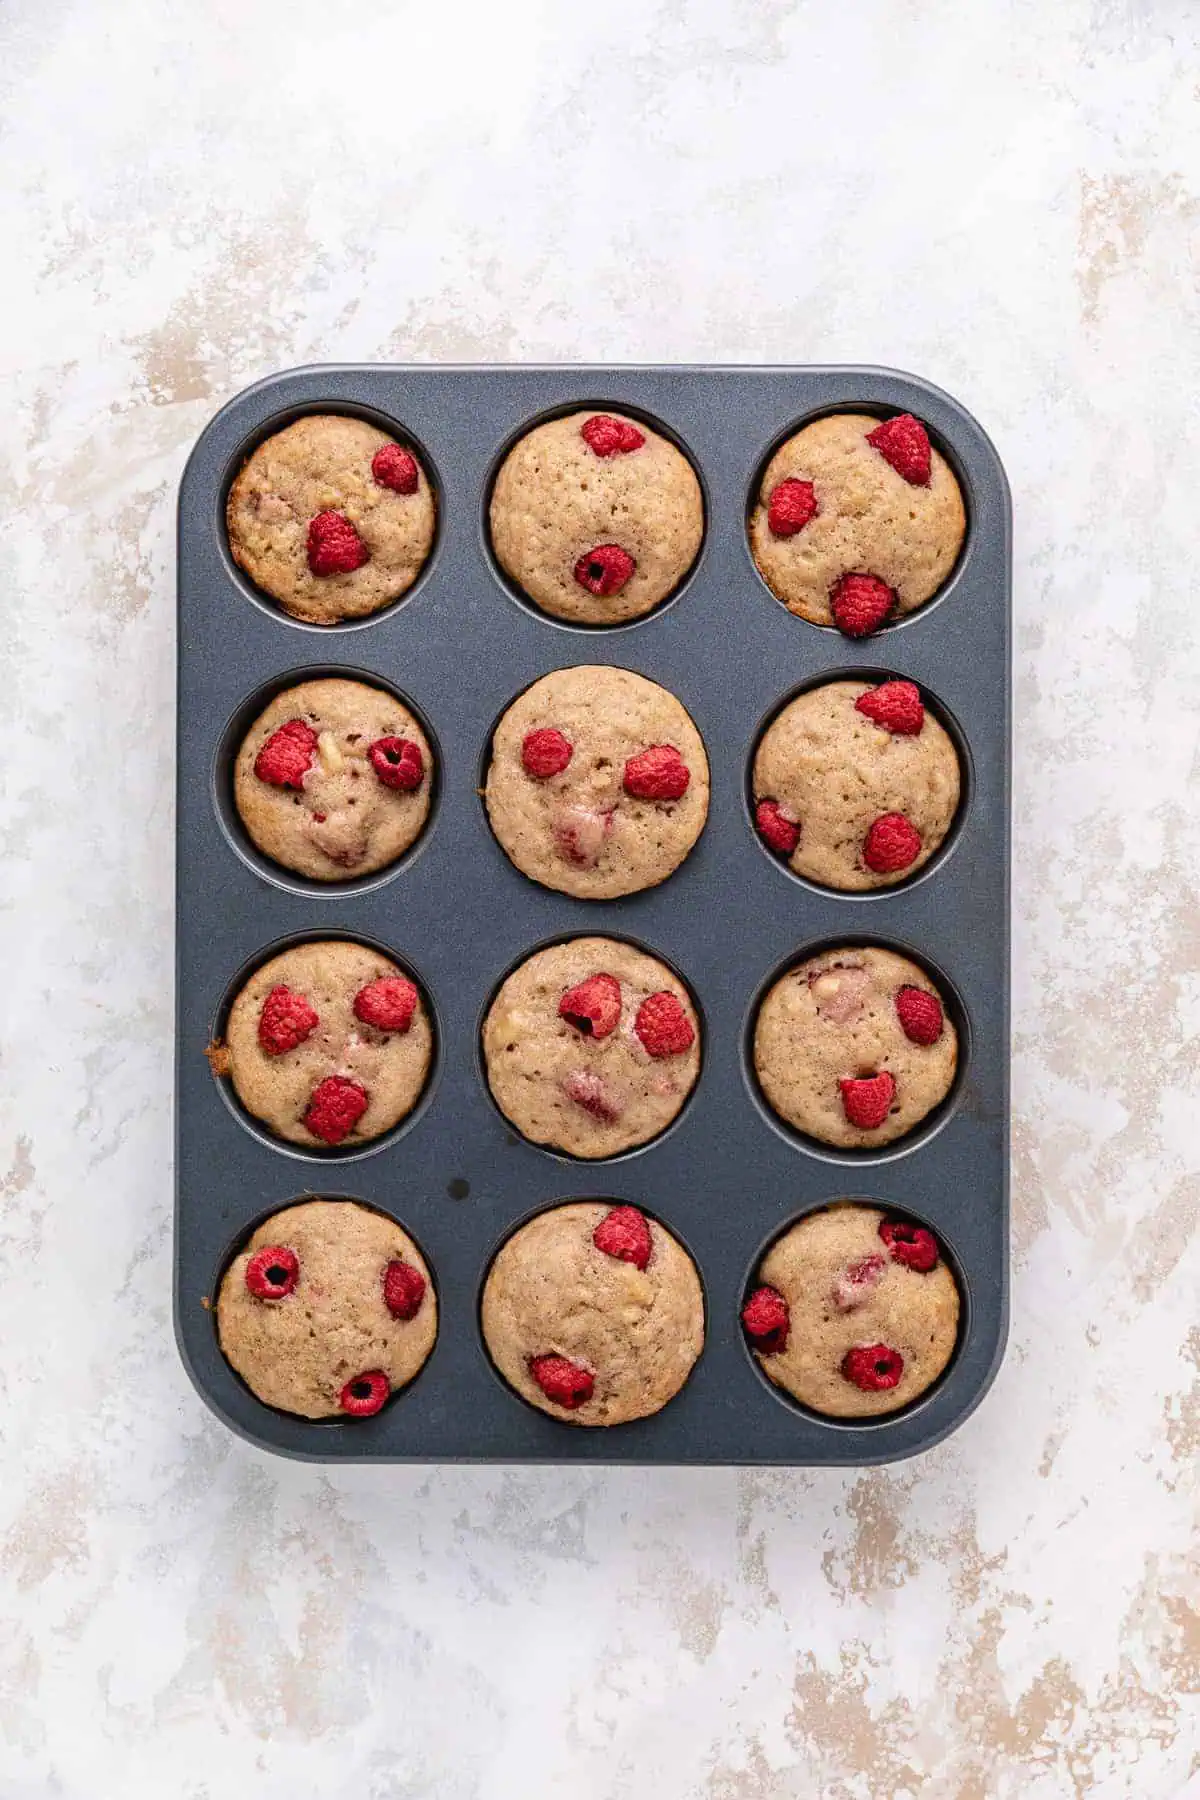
(727, 1176)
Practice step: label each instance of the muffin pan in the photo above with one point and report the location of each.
(728, 1176)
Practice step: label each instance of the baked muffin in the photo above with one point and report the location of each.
(333, 779)
(328, 1310)
(854, 1047)
(594, 1313)
(596, 517)
(591, 1047)
(598, 783)
(857, 522)
(328, 1044)
(856, 785)
(332, 518)
(854, 1312)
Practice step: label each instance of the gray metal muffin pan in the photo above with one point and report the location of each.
(728, 1176)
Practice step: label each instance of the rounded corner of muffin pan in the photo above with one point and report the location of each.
(594, 929)
(946, 718)
(938, 1117)
(224, 802)
(902, 1415)
(235, 461)
(513, 589)
(333, 1153)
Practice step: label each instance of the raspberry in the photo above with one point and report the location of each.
(286, 1020)
(909, 1244)
(335, 1108)
(860, 604)
(580, 835)
(567, 1383)
(904, 442)
(395, 468)
(896, 705)
(766, 1320)
(792, 504)
(545, 753)
(624, 1233)
(286, 757)
(604, 570)
(658, 773)
(873, 1367)
(892, 843)
(594, 1006)
(663, 1026)
(867, 1100)
(388, 1004)
(855, 1282)
(610, 437)
(272, 1274)
(920, 1015)
(775, 828)
(403, 1290)
(398, 763)
(365, 1394)
(587, 1090)
(334, 546)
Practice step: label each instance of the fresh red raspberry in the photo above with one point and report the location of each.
(586, 1089)
(545, 753)
(625, 1234)
(388, 1004)
(365, 1394)
(867, 1100)
(658, 773)
(398, 763)
(580, 834)
(272, 1274)
(286, 757)
(909, 1244)
(896, 705)
(779, 832)
(856, 1281)
(873, 1367)
(403, 1290)
(604, 570)
(286, 1020)
(892, 843)
(792, 504)
(395, 468)
(610, 437)
(334, 546)
(663, 1027)
(766, 1320)
(920, 1015)
(565, 1382)
(594, 1006)
(335, 1108)
(860, 604)
(904, 442)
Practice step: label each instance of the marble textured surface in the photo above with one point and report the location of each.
(1004, 197)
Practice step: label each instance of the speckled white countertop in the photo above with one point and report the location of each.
(1004, 197)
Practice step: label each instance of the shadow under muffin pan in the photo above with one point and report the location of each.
(722, 1178)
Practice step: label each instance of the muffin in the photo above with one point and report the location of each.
(856, 785)
(591, 1047)
(332, 518)
(854, 1047)
(333, 779)
(858, 521)
(598, 783)
(593, 1313)
(328, 1310)
(596, 517)
(328, 1044)
(854, 1312)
